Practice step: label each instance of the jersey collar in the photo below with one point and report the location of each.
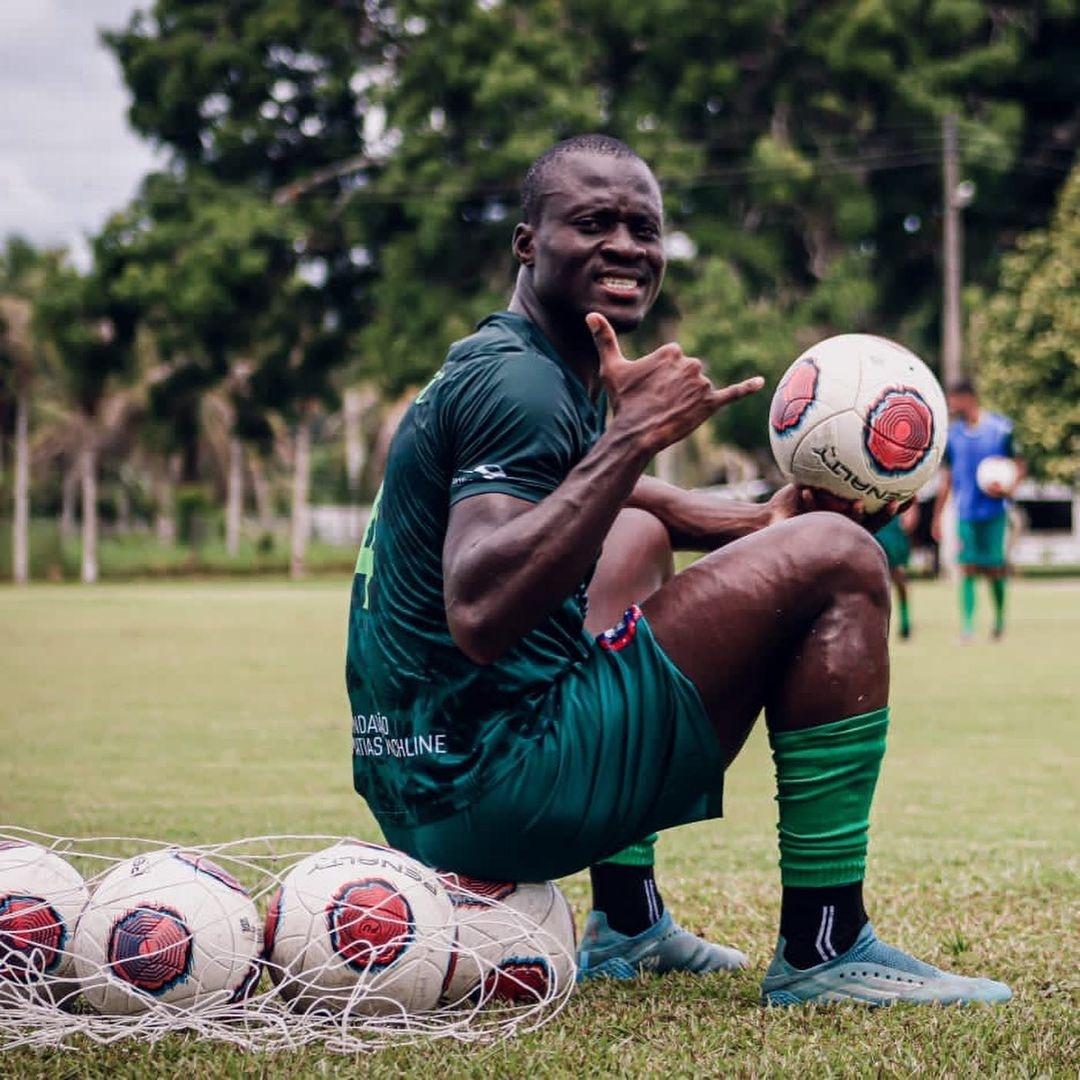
(525, 328)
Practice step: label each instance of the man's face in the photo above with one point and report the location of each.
(598, 244)
(962, 406)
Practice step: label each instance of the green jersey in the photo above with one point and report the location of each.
(431, 729)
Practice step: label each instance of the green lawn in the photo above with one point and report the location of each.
(199, 712)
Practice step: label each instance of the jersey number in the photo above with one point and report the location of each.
(365, 561)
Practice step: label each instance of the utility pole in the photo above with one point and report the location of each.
(952, 240)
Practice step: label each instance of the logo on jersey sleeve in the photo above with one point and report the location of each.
(490, 472)
(480, 472)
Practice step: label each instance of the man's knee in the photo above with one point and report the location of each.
(848, 554)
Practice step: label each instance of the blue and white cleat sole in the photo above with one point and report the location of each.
(873, 973)
(664, 947)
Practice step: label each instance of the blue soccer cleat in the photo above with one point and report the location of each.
(665, 946)
(873, 973)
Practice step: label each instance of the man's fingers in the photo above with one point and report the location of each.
(728, 394)
(607, 342)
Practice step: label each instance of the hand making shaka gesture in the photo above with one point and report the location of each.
(662, 396)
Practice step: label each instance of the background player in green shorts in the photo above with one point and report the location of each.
(894, 538)
(494, 734)
(981, 518)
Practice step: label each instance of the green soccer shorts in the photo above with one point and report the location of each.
(895, 543)
(982, 543)
(629, 751)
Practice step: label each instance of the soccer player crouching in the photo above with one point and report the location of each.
(514, 736)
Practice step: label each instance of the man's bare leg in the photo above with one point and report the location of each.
(794, 619)
(635, 562)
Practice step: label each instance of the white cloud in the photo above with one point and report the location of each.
(67, 156)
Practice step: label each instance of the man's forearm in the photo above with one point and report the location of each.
(504, 583)
(696, 520)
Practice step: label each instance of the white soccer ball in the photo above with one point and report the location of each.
(517, 941)
(861, 418)
(41, 897)
(170, 927)
(362, 927)
(996, 471)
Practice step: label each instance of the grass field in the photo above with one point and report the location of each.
(211, 711)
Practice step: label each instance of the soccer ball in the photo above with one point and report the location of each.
(41, 896)
(860, 417)
(171, 927)
(1001, 471)
(517, 941)
(362, 927)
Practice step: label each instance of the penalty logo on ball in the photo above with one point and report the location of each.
(899, 431)
(370, 924)
(31, 937)
(151, 948)
(794, 396)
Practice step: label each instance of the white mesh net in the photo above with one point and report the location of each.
(268, 943)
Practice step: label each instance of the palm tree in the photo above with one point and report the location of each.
(91, 335)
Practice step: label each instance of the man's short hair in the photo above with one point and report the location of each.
(962, 386)
(538, 171)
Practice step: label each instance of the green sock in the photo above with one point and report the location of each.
(905, 617)
(825, 780)
(997, 591)
(967, 604)
(643, 853)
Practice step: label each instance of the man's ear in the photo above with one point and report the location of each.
(522, 244)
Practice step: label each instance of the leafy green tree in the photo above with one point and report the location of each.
(206, 262)
(256, 92)
(799, 146)
(1027, 341)
(263, 96)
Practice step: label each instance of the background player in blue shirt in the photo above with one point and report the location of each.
(974, 435)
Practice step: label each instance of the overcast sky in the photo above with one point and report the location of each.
(67, 155)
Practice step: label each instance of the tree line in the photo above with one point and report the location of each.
(341, 182)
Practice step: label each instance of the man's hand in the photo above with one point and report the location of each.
(815, 499)
(785, 503)
(663, 396)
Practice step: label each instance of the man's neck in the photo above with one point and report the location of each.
(973, 419)
(574, 344)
